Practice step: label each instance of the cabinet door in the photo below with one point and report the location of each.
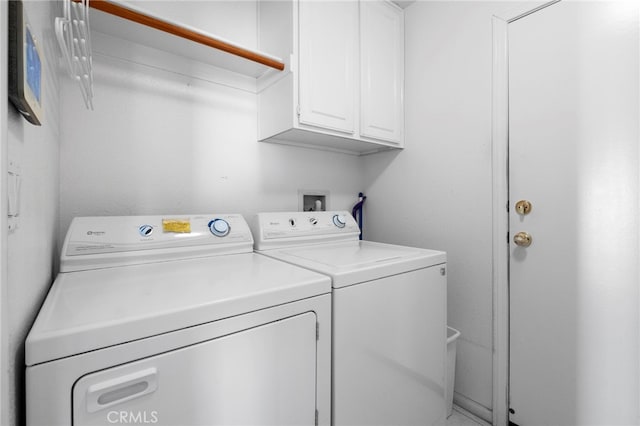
(328, 64)
(382, 70)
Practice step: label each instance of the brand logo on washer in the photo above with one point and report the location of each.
(97, 233)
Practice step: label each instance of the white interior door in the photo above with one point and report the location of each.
(573, 154)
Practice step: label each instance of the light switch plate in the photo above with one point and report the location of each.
(14, 183)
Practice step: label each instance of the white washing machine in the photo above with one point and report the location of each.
(389, 316)
(175, 321)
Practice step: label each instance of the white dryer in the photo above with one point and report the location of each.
(175, 321)
(389, 316)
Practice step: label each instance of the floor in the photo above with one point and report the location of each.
(461, 417)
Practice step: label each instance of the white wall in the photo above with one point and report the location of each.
(166, 142)
(437, 192)
(31, 248)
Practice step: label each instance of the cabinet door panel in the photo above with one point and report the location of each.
(382, 70)
(328, 64)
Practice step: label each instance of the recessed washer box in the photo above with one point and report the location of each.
(312, 200)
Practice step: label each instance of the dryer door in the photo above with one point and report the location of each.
(264, 375)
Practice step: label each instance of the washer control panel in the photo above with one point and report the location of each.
(154, 237)
(281, 229)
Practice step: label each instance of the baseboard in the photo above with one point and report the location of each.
(473, 407)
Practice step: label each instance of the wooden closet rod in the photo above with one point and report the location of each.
(168, 27)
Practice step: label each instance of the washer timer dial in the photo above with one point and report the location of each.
(219, 227)
(339, 220)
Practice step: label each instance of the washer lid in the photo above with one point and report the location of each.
(353, 262)
(89, 310)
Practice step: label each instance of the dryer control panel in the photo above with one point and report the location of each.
(284, 229)
(107, 241)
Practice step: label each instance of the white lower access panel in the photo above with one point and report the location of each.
(389, 360)
(264, 375)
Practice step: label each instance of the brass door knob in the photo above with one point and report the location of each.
(523, 207)
(522, 239)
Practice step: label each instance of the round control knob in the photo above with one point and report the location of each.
(219, 227)
(339, 220)
(145, 230)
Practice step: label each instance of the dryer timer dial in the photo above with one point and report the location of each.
(219, 227)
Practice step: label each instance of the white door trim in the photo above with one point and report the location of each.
(500, 205)
(500, 246)
(5, 397)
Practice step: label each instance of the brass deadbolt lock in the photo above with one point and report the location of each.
(522, 239)
(523, 207)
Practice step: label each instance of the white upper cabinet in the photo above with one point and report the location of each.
(342, 89)
(328, 64)
(381, 71)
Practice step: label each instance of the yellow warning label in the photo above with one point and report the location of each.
(176, 225)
